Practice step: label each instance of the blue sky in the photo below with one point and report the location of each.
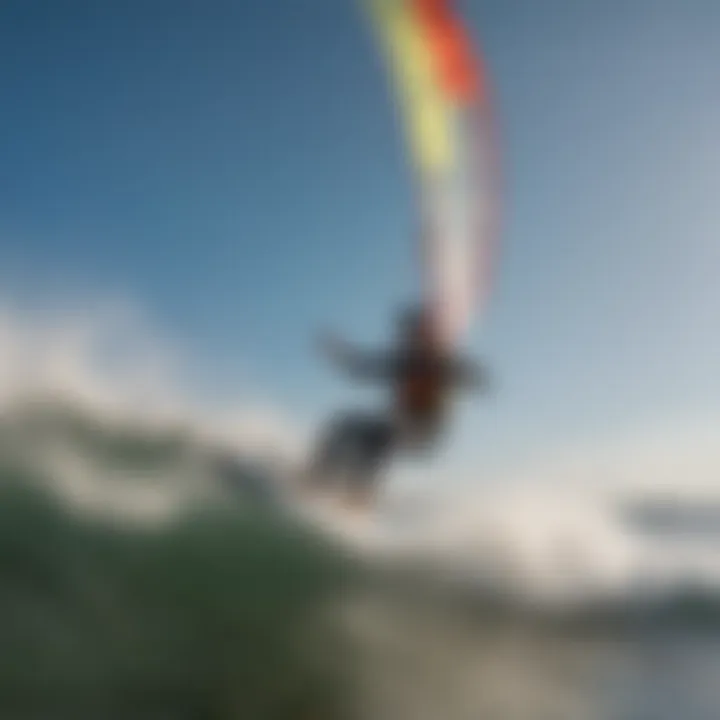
(236, 168)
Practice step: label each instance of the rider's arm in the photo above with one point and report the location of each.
(365, 366)
(471, 375)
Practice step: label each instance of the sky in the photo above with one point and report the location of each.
(237, 169)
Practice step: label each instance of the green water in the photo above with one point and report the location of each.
(220, 615)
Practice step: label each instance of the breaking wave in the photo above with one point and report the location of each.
(152, 564)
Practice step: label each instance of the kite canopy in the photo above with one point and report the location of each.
(442, 90)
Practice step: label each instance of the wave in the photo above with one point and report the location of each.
(216, 615)
(151, 565)
(218, 603)
(609, 553)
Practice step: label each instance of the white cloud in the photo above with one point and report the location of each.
(106, 358)
(683, 460)
(554, 525)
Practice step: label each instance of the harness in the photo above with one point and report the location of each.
(421, 389)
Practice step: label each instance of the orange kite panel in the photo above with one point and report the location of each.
(459, 72)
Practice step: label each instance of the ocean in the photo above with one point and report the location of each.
(146, 572)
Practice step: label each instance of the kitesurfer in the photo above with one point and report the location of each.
(422, 375)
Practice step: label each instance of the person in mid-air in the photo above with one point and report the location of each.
(422, 375)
